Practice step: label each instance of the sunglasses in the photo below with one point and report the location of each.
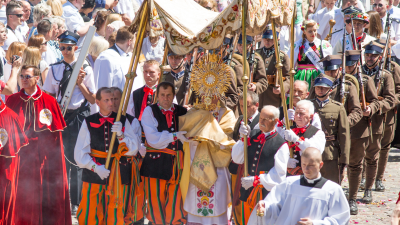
(18, 15)
(26, 77)
(45, 44)
(69, 48)
(377, 5)
(209, 8)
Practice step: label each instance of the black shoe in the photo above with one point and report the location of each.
(139, 222)
(379, 186)
(74, 209)
(353, 207)
(362, 184)
(367, 199)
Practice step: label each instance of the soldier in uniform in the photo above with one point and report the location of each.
(360, 132)
(271, 96)
(335, 125)
(390, 122)
(259, 79)
(56, 84)
(178, 76)
(384, 85)
(332, 67)
(268, 156)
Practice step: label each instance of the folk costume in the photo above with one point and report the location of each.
(12, 139)
(308, 55)
(321, 200)
(162, 164)
(56, 84)
(42, 188)
(205, 182)
(106, 200)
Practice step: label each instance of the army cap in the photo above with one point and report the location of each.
(69, 37)
(249, 39)
(350, 10)
(323, 81)
(331, 62)
(268, 34)
(352, 57)
(374, 48)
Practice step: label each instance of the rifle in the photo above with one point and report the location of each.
(385, 53)
(231, 49)
(342, 89)
(360, 81)
(252, 60)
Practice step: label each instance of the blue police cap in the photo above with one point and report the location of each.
(268, 34)
(373, 48)
(350, 10)
(352, 57)
(69, 37)
(332, 62)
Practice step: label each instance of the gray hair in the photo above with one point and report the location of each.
(58, 20)
(98, 45)
(272, 109)
(254, 97)
(306, 104)
(41, 10)
(303, 82)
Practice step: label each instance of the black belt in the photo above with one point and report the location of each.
(75, 112)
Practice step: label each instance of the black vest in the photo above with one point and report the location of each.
(100, 140)
(310, 132)
(261, 158)
(160, 165)
(233, 167)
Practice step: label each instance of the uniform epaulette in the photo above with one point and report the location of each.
(336, 102)
(56, 63)
(337, 31)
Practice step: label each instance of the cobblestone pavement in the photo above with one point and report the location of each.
(380, 211)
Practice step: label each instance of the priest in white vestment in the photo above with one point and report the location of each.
(306, 199)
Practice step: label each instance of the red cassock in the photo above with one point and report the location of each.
(12, 139)
(41, 183)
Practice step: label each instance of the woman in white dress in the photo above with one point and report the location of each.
(153, 48)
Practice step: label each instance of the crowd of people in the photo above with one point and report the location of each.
(177, 155)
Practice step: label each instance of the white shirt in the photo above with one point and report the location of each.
(125, 7)
(82, 150)
(324, 27)
(156, 53)
(3, 16)
(54, 77)
(49, 56)
(317, 141)
(318, 16)
(73, 22)
(290, 201)
(349, 42)
(277, 174)
(131, 105)
(110, 68)
(23, 29)
(394, 28)
(12, 36)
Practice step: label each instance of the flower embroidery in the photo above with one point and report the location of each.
(235, 8)
(205, 202)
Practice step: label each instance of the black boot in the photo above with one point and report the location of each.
(362, 184)
(139, 222)
(379, 186)
(353, 207)
(367, 199)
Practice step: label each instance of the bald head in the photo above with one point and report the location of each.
(311, 162)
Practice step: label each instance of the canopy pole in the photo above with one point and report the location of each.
(245, 80)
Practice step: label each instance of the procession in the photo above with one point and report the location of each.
(197, 112)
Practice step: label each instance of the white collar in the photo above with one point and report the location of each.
(33, 92)
(313, 180)
(253, 116)
(269, 133)
(104, 115)
(120, 51)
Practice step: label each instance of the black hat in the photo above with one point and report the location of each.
(249, 39)
(268, 34)
(331, 62)
(171, 53)
(323, 81)
(69, 37)
(352, 57)
(350, 10)
(373, 48)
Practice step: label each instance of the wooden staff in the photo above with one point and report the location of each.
(292, 72)
(331, 24)
(279, 76)
(245, 80)
(131, 75)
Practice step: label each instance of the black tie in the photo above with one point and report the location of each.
(65, 79)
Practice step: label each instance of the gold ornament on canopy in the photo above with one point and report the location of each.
(210, 79)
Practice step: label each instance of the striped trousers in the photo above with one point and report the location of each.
(164, 202)
(97, 209)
